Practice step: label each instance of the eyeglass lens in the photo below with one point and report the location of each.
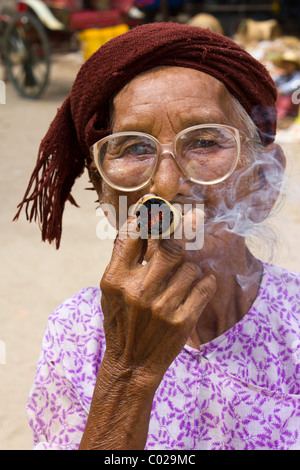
(205, 154)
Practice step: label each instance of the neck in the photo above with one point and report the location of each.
(237, 287)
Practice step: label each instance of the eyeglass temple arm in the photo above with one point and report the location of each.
(244, 138)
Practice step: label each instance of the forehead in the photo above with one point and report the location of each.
(184, 94)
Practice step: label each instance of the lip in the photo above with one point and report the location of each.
(194, 197)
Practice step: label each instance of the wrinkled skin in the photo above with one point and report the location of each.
(151, 310)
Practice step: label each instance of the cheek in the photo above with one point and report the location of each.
(233, 190)
(119, 202)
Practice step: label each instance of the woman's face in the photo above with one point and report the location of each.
(163, 102)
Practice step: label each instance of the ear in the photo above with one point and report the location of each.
(95, 178)
(267, 182)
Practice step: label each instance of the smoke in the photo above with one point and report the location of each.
(248, 203)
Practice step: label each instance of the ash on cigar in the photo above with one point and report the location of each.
(154, 217)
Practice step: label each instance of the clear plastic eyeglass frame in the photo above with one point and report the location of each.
(168, 148)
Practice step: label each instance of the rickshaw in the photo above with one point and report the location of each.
(39, 28)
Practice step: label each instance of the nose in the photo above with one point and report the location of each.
(167, 180)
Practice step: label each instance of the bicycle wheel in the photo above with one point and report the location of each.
(27, 55)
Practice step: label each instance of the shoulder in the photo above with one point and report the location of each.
(80, 308)
(75, 327)
(282, 281)
(280, 293)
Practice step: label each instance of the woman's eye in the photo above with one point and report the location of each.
(204, 144)
(129, 148)
(138, 149)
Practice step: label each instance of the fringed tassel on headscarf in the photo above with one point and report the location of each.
(59, 163)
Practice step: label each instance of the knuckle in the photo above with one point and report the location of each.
(172, 249)
(191, 270)
(157, 307)
(178, 323)
(119, 246)
(111, 280)
(134, 295)
(107, 282)
(174, 324)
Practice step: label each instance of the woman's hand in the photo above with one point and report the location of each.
(149, 312)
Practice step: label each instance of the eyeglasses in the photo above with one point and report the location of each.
(206, 154)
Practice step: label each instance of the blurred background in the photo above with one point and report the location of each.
(42, 46)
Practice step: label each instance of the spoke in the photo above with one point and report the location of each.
(27, 47)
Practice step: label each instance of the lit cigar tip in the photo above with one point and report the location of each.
(157, 218)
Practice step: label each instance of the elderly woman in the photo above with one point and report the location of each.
(178, 348)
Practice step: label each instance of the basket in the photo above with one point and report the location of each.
(91, 39)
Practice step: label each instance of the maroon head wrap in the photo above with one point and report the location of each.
(83, 118)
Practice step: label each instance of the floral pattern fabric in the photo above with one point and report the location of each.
(239, 391)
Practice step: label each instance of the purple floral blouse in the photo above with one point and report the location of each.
(240, 391)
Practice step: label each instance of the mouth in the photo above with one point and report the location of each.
(211, 224)
(188, 201)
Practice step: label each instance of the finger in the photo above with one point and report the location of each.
(170, 251)
(177, 289)
(164, 260)
(200, 295)
(128, 246)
